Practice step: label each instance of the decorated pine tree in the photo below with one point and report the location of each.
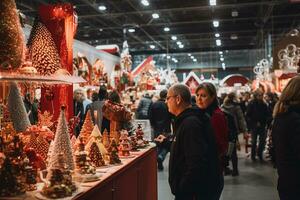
(17, 109)
(82, 160)
(59, 179)
(95, 155)
(32, 142)
(73, 143)
(87, 128)
(97, 138)
(11, 34)
(62, 143)
(125, 146)
(105, 139)
(113, 153)
(43, 51)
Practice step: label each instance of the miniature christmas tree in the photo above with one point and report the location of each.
(43, 50)
(11, 34)
(97, 138)
(105, 139)
(17, 109)
(124, 144)
(133, 140)
(87, 128)
(113, 156)
(140, 136)
(62, 143)
(96, 156)
(82, 160)
(73, 143)
(59, 184)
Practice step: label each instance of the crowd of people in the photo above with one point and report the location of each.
(201, 132)
(203, 136)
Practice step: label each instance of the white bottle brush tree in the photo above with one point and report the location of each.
(62, 143)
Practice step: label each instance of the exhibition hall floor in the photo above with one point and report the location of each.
(256, 181)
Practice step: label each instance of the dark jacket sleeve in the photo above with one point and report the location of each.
(295, 138)
(195, 152)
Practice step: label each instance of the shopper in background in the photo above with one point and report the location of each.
(96, 108)
(31, 108)
(231, 106)
(78, 109)
(160, 120)
(193, 168)
(85, 101)
(142, 111)
(257, 115)
(286, 140)
(245, 99)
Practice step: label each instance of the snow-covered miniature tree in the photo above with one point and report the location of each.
(97, 138)
(87, 128)
(17, 109)
(95, 155)
(62, 143)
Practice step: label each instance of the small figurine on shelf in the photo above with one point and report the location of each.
(59, 184)
(124, 147)
(140, 136)
(113, 156)
(105, 139)
(96, 156)
(82, 160)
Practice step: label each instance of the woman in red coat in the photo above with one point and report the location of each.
(206, 99)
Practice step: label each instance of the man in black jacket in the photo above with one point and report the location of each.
(160, 120)
(194, 172)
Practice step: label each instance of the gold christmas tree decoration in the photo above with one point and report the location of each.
(96, 137)
(82, 160)
(95, 155)
(43, 51)
(125, 146)
(87, 128)
(42, 147)
(11, 34)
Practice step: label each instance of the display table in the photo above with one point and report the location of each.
(135, 179)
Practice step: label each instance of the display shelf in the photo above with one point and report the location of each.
(54, 79)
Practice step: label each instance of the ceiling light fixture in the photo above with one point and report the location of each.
(101, 29)
(212, 2)
(168, 57)
(218, 42)
(102, 8)
(155, 16)
(217, 35)
(181, 46)
(221, 59)
(145, 2)
(233, 37)
(216, 23)
(174, 38)
(189, 54)
(223, 66)
(152, 46)
(166, 29)
(195, 60)
(234, 13)
(131, 30)
(220, 52)
(178, 43)
(192, 57)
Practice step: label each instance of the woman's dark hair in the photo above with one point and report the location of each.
(95, 96)
(102, 93)
(114, 96)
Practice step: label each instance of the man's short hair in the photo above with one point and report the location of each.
(163, 94)
(183, 91)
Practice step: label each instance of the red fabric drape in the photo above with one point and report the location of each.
(61, 21)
